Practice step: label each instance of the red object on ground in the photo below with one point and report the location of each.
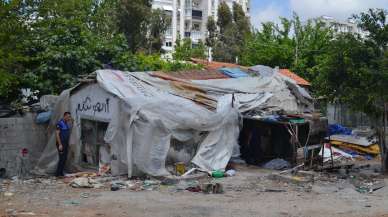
(24, 152)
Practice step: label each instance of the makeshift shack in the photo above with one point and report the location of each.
(135, 121)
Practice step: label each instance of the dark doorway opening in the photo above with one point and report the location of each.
(261, 141)
(92, 138)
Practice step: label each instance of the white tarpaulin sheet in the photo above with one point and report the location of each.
(151, 112)
(284, 94)
(149, 118)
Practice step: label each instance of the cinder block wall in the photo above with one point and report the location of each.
(15, 134)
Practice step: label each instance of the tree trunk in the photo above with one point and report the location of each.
(379, 124)
(383, 151)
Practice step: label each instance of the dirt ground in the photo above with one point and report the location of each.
(249, 193)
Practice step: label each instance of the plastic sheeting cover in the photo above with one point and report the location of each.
(150, 118)
(233, 72)
(151, 113)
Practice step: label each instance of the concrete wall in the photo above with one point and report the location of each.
(18, 133)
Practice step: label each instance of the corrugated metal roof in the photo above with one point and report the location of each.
(214, 65)
(197, 74)
(299, 80)
(212, 72)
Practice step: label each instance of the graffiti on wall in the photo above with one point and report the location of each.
(87, 105)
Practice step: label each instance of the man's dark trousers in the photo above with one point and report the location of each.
(62, 159)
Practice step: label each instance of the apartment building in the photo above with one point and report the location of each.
(189, 17)
(348, 26)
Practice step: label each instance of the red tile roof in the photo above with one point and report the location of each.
(212, 72)
(214, 65)
(299, 80)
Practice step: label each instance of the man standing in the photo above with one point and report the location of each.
(63, 137)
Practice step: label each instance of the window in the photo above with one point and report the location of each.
(168, 44)
(196, 27)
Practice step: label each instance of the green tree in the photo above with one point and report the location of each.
(226, 48)
(241, 20)
(133, 17)
(45, 45)
(13, 32)
(275, 46)
(310, 41)
(225, 17)
(157, 26)
(234, 28)
(211, 27)
(271, 46)
(211, 38)
(183, 49)
(354, 72)
(199, 50)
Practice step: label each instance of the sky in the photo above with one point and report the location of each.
(271, 10)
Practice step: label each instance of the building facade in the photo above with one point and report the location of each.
(189, 17)
(348, 26)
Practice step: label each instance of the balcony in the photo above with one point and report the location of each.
(196, 36)
(196, 14)
(168, 32)
(187, 34)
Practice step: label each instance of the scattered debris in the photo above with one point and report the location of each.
(369, 187)
(215, 188)
(8, 194)
(115, 187)
(82, 182)
(103, 169)
(26, 214)
(218, 174)
(194, 189)
(186, 184)
(277, 164)
(11, 213)
(274, 190)
(291, 178)
(180, 168)
(85, 195)
(151, 184)
(189, 172)
(134, 185)
(72, 202)
(230, 172)
(82, 174)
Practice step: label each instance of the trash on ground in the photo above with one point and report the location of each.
(215, 188)
(296, 179)
(26, 214)
(359, 145)
(369, 187)
(8, 194)
(180, 168)
(274, 190)
(330, 152)
(189, 172)
(81, 182)
(85, 195)
(277, 164)
(72, 202)
(103, 169)
(230, 172)
(82, 174)
(10, 213)
(218, 174)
